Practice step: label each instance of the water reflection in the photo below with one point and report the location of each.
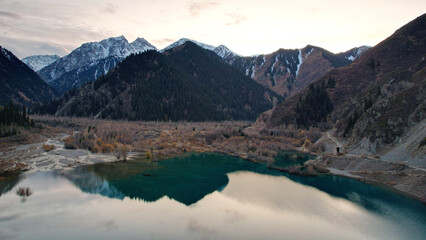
(8, 181)
(185, 179)
(188, 179)
(89, 182)
(24, 193)
(84, 205)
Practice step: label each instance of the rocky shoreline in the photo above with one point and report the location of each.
(35, 157)
(399, 177)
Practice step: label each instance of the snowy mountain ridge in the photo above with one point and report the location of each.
(91, 60)
(37, 62)
(90, 53)
(221, 50)
(355, 53)
(183, 41)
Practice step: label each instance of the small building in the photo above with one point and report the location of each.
(338, 150)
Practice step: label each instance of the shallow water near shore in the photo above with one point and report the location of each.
(202, 196)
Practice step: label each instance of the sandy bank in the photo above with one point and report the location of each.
(398, 176)
(33, 157)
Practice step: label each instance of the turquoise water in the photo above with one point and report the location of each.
(291, 158)
(202, 196)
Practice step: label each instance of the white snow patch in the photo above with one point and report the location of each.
(264, 60)
(38, 62)
(224, 52)
(105, 68)
(184, 40)
(252, 71)
(350, 58)
(273, 65)
(300, 62)
(310, 51)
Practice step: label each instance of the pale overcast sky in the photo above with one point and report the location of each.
(248, 27)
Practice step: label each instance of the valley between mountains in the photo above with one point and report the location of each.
(361, 113)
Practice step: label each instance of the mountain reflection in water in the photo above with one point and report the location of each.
(203, 196)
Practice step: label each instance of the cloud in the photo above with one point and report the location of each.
(235, 19)
(3, 24)
(163, 41)
(23, 48)
(110, 8)
(9, 15)
(195, 227)
(196, 7)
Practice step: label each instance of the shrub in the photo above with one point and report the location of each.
(122, 152)
(307, 143)
(96, 149)
(70, 146)
(106, 147)
(423, 142)
(48, 147)
(68, 139)
(148, 155)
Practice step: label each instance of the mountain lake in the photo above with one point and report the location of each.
(201, 196)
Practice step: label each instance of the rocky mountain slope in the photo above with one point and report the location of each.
(354, 53)
(186, 82)
(286, 71)
(278, 71)
(20, 84)
(89, 61)
(38, 62)
(376, 101)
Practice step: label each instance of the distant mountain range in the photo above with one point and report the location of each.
(277, 71)
(286, 71)
(90, 61)
(186, 82)
(20, 84)
(377, 101)
(38, 62)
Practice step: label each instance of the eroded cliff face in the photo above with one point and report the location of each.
(396, 120)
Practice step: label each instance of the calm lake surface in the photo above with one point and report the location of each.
(202, 196)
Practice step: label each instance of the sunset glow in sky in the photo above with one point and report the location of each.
(30, 27)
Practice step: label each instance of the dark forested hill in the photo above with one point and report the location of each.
(183, 83)
(20, 84)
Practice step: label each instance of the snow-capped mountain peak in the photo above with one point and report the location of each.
(355, 53)
(224, 52)
(38, 62)
(184, 40)
(141, 45)
(94, 57)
